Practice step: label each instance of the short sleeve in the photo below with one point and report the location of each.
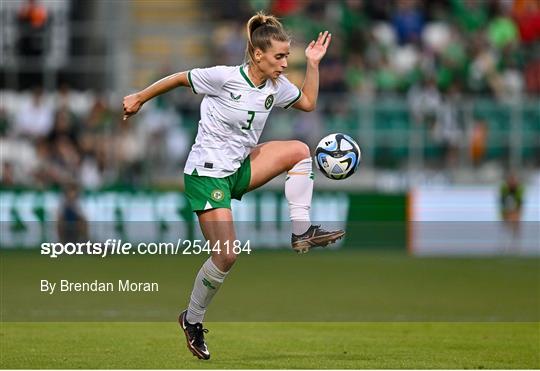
(208, 80)
(288, 94)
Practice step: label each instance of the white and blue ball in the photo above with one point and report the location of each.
(337, 156)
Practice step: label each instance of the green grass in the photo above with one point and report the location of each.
(322, 286)
(273, 345)
(346, 309)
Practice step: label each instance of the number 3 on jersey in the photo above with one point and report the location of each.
(249, 121)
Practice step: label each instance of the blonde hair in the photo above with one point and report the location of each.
(261, 30)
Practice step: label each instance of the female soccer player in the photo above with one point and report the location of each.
(225, 162)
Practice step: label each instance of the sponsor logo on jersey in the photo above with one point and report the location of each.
(269, 101)
(235, 98)
(217, 195)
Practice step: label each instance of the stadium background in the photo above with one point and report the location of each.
(442, 97)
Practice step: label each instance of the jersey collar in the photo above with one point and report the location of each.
(248, 80)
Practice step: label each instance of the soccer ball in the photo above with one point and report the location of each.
(337, 156)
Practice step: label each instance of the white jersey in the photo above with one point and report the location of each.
(233, 115)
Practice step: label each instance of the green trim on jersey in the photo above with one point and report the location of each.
(191, 82)
(248, 80)
(246, 77)
(295, 99)
(205, 193)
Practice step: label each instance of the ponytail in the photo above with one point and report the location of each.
(261, 30)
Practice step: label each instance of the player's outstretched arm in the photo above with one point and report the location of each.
(310, 90)
(133, 103)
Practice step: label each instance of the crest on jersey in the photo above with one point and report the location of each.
(217, 194)
(235, 98)
(269, 101)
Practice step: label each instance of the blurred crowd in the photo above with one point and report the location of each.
(76, 138)
(431, 54)
(44, 142)
(489, 47)
(436, 53)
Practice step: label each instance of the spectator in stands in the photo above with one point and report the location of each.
(283, 8)
(470, 15)
(424, 102)
(502, 30)
(332, 74)
(483, 76)
(66, 157)
(64, 103)
(478, 142)
(90, 172)
(408, 21)
(532, 75)
(161, 126)
(96, 142)
(56, 163)
(100, 117)
(35, 118)
(128, 153)
(64, 125)
(379, 10)
(32, 18)
(357, 77)
(20, 154)
(45, 172)
(7, 177)
(448, 129)
(354, 24)
(527, 16)
(72, 225)
(4, 122)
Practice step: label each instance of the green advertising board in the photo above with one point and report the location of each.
(371, 220)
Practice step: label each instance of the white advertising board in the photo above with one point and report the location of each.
(465, 220)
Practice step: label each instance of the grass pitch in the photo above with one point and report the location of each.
(275, 286)
(347, 309)
(273, 345)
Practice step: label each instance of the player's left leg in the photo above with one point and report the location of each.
(218, 229)
(270, 159)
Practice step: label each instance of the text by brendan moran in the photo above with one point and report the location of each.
(97, 286)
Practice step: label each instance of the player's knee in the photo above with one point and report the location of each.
(224, 260)
(228, 259)
(300, 151)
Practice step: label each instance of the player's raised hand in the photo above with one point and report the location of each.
(317, 48)
(132, 104)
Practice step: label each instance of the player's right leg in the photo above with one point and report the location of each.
(270, 159)
(218, 228)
